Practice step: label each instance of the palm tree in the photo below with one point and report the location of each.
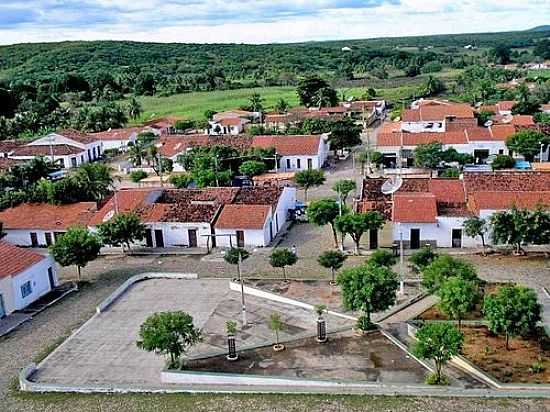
(136, 153)
(256, 102)
(323, 97)
(281, 106)
(95, 179)
(134, 109)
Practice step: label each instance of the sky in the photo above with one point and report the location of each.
(259, 21)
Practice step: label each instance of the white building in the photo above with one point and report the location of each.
(69, 148)
(191, 218)
(25, 277)
(120, 139)
(40, 224)
(295, 153)
(436, 116)
(227, 125)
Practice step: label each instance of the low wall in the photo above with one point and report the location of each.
(138, 278)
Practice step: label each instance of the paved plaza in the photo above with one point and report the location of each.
(104, 351)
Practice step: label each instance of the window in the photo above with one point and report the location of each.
(310, 164)
(288, 164)
(298, 164)
(501, 151)
(73, 161)
(26, 289)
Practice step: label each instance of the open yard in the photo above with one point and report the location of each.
(488, 352)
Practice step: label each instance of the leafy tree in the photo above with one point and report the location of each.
(439, 341)
(306, 179)
(383, 258)
(527, 143)
(181, 181)
(138, 175)
(445, 267)
(134, 109)
(542, 49)
(94, 180)
(451, 173)
(122, 230)
(256, 103)
(307, 90)
(169, 333)
(276, 325)
(281, 258)
(503, 162)
(457, 297)
(358, 223)
(325, 97)
(344, 134)
(252, 168)
(501, 54)
(511, 227)
(476, 226)
(333, 260)
(76, 247)
(512, 311)
(368, 288)
(234, 256)
(434, 86)
(343, 188)
(528, 106)
(428, 155)
(324, 212)
(542, 118)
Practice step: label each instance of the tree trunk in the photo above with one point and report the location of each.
(334, 234)
(284, 273)
(459, 324)
(305, 196)
(507, 341)
(332, 274)
(276, 337)
(438, 371)
(78, 273)
(356, 241)
(343, 237)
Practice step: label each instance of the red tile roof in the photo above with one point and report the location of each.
(77, 136)
(493, 200)
(289, 145)
(448, 190)
(126, 200)
(173, 145)
(439, 112)
(506, 181)
(232, 121)
(502, 131)
(44, 216)
(505, 105)
(415, 139)
(7, 164)
(118, 134)
(241, 216)
(523, 120)
(415, 208)
(390, 127)
(47, 150)
(14, 260)
(6, 146)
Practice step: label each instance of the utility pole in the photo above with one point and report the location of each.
(160, 169)
(239, 262)
(401, 265)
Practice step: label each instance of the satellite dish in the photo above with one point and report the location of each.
(488, 123)
(392, 185)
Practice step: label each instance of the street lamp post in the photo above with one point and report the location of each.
(401, 265)
(243, 304)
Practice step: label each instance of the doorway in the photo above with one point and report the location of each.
(480, 156)
(192, 236)
(149, 238)
(51, 278)
(159, 238)
(373, 239)
(34, 239)
(240, 238)
(2, 307)
(457, 238)
(415, 238)
(48, 237)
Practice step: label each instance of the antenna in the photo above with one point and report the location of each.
(392, 185)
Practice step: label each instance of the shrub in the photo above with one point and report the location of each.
(181, 181)
(383, 258)
(445, 267)
(419, 260)
(138, 175)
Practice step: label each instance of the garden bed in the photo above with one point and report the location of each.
(371, 358)
(488, 352)
(434, 313)
(317, 292)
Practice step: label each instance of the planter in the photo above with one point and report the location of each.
(278, 347)
(231, 350)
(321, 330)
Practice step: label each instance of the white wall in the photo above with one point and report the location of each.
(6, 291)
(441, 232)
(38, 276)
(23, 237)
(177, 235)
(252, 237)
(67, 163)
(418, 127)
(316, 163)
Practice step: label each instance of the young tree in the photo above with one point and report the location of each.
(138, 175)
(252, 168)
(457, 297)
(77, 247)
(122, 230)
(358, 223)
(428, 155)
(512, 311)
(276, 325)
(307, 179)
(234, 256)
(281, 258)
(527, 143)
(169, 333)
(439, 341)
(368, 288)
(343, 188)
(333, 260)
(476, 226)
(324, 212)
(256, 102)
(383, 258)
(281, 106)
(445, 267)
(181, 181)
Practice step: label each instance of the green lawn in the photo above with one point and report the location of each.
(193, 105)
